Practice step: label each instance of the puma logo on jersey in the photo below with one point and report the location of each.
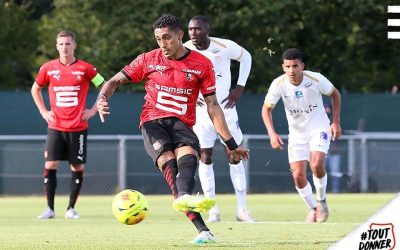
(54, 73)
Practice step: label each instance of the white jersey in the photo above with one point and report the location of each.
(303, 103)
(220, 52)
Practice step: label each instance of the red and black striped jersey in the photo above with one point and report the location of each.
(172, 86)
(67, 87)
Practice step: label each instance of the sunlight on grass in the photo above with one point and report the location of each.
(279, 223)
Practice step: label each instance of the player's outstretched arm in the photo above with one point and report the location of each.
(217, 117)
(107, 91)
(275, 140)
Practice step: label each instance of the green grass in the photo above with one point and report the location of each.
(280, 224)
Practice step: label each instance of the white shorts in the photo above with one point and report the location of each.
(205, 130)
(300, 150)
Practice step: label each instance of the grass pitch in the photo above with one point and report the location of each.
(280, 223)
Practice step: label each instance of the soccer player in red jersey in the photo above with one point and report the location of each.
(67, 79)
(174, 77)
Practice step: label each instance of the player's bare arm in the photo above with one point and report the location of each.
(275, 140)
(107, 91)
(244, 71)
(89, 113)
(37, 96)
(336, 129)
(233, 97)
(217, 117)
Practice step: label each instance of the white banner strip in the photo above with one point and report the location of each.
(394, 9)
(394, 35)
(393, 22)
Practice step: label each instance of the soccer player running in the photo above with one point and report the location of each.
(174, 76)
(220, 52)
(310, 130)
(68, 80)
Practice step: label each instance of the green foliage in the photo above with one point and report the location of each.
(18, 39)
(71, 15)
(344, 40)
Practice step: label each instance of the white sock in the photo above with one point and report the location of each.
(238, 178)
(206, 174)
(320, 186)
(307, 195)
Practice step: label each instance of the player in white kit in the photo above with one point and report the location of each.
(310, 130)
(220, 52)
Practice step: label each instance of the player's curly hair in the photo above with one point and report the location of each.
(168, 20)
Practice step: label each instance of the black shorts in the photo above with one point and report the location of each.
(62, 146)
(167, 134)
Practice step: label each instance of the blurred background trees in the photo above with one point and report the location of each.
(344, 40)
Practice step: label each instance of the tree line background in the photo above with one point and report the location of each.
(344, 40)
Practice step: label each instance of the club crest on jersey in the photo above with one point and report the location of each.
(189, 76)
(298, 94)
(78, 74)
